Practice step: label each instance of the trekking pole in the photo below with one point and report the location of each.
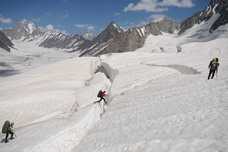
(216, 74)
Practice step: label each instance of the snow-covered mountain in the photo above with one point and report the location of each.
(5, 43)
(202, 26)
(28, 31)
(56, 39)
(102, 40)
(23, 30)
(88, 36)
(85, 44)
(217, 11)
(135, 37)
(205, 25)
(81, 44)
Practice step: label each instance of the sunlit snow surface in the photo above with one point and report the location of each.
(159, 100)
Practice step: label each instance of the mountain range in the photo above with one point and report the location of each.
(115, 39)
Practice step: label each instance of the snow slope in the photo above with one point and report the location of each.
(159, 100)
(46, 104)
(27, 56)
(50, 99)
(160, 108)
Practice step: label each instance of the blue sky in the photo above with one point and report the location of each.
(81, 16)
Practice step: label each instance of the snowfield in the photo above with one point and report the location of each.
(158, 100)
(160, 109)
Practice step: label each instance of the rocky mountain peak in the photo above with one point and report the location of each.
(166, 19)
(56, 39)
(215, 7)
(113, 27)
(168, 25)
(25, 22)
(23, 30)
(27, 28)
(102, 40)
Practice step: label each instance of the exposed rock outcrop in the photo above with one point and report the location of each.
(5, 43)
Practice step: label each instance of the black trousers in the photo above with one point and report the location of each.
(7, 135)
(211, 72)
(100, 100)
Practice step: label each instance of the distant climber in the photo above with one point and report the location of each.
(8, 129)
(213, 66)
(101, 94)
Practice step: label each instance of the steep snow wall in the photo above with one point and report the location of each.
(111, 72)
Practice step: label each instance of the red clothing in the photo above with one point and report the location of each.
(103, 94)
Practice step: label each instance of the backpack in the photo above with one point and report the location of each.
(214, 65)
(99, 93)
(5, 127)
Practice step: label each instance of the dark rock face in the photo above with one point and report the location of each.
(59, 40)
(102, 40)
(127, 41)
(215, 6)
(5, 43)
(135, 37)
(168, 26)
(222, 9)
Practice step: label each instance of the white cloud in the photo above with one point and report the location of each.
(117, 14)
(177, 3)
(65, 15)
(80, 25)
(5, 20)
(146, 5)
(157, 17)
(157, 6)
(85, 26)
(36, 19)
(49, 13)
(51, 28)
(48, 27)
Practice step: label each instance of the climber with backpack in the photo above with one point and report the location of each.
(213, 66)
(101, 94)
(8, 129)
